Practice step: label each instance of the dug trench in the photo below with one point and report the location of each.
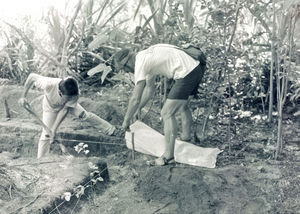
(251, 182)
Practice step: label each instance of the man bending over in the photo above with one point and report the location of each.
(60, 98)
(173, 63)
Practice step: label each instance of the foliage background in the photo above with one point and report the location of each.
(252, 47)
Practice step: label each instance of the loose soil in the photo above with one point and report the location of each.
(247, 179)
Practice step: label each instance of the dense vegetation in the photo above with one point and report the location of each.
(252, 49)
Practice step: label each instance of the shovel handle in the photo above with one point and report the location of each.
(28, 108)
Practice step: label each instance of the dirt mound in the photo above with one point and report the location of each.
(107, 110)
(183, 188)
(7, 186)
(31, 186)
(186, 189)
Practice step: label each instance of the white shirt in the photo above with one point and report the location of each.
(163, 59)
(53, 102)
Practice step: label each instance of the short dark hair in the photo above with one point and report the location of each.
(69, 87)
(125, 59)
(120, 58)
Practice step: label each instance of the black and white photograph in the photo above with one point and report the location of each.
(212, 127)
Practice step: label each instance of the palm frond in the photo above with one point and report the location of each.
(149, 19)
(101, 11)
(138, 8)
(114, 13)
(95, 55)
(97, 41)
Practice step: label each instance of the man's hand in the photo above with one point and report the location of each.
(125, 125)
(119, 132)
(137, 115)
(52, 136)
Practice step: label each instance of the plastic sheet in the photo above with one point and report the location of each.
(151, 142)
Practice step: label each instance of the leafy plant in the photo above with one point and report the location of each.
(17, 55)
(82, 148)
(95, 177)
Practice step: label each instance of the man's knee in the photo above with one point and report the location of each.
(170, 109)
(44, 136)
(166, 113)
(184, 108)
(88, 116)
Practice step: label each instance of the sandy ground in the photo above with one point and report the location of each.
(257, 187)
(251, 182)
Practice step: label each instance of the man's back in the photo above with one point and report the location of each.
(53, 101)
(163, 59)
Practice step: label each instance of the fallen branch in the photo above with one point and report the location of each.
(33, 182)
(28, 204)
(159, 209)
(242, 150)
(9, 190)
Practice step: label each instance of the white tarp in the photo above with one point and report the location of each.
(151, 142)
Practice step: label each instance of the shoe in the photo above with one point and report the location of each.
(161, 161)
(187, 140)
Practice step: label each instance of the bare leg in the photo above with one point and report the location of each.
(170, 125)
(44, 142)
(186, 122)
(98, 122)
(170, 130)
(43, 148)
(93, 119)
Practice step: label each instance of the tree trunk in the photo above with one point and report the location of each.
(279, 134)
(272, 68)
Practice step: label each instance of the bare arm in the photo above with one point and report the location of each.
(60, 117)
(148, 92)
(134, 103)
(29, 82)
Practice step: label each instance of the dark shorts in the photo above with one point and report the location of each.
(187, 86)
